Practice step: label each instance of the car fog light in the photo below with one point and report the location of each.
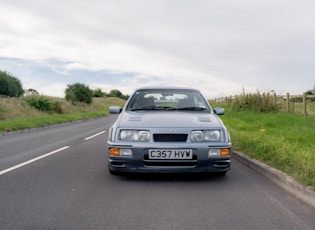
(116, 152)
(218, 152)
(125, 152)
(214, 153)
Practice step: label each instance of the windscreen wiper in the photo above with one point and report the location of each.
(194, 108)
(144, 108)
(154, 108)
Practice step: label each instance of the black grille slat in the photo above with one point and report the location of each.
(146, 158)
(170, 137)
(170, 163)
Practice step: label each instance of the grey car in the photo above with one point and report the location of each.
(168, 130)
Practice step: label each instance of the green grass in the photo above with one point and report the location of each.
(16, 114)
(283, 141)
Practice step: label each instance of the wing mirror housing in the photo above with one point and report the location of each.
(115, 109)
(218, 111)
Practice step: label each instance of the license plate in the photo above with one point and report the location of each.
(170, 154)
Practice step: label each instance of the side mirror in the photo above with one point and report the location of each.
(115, 109)
(219, 111)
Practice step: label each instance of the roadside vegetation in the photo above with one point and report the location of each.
(18, 113)
(25, 108)
(281, 140)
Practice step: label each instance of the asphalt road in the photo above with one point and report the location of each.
(70, 188)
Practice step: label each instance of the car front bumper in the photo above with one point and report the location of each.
(139, 162)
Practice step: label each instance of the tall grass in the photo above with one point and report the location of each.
(261, 102)
(17, 113)
(284, 141)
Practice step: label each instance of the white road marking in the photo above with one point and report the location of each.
(95, 135)
(32, 160)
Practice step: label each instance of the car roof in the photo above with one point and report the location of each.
(166, 88)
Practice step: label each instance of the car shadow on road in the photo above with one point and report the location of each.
(173, 177)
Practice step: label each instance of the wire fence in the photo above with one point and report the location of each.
(303, 104)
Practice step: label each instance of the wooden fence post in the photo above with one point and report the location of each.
(304, 105)
(287, 102)
(274, 100)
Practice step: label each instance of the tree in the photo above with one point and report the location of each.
(78, 93)
(30, 92)
(311, 92)
(9, 85)
(117, 93)
(98, 93)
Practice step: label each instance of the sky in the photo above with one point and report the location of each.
(219, 47)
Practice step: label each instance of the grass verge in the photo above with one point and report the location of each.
(45, 120)
(16, 114)
(283, 141)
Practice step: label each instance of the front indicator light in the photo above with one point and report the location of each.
(116, 152)
(218, 152)
(225, 152)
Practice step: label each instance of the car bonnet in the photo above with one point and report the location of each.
(156, 119)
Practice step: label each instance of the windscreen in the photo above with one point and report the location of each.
(168, 99)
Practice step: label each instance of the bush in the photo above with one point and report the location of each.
(9, 85)
(78, 93)
(57, 107)
(98, 93)
(40, 102)
(117, 93)
(296, 99)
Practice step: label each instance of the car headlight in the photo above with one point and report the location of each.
(205, 135)
(134, 135)
(144, 136)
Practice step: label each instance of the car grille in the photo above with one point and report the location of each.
(170, 163)
(170, 137)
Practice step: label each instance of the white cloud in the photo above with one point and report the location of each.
(217, 46)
